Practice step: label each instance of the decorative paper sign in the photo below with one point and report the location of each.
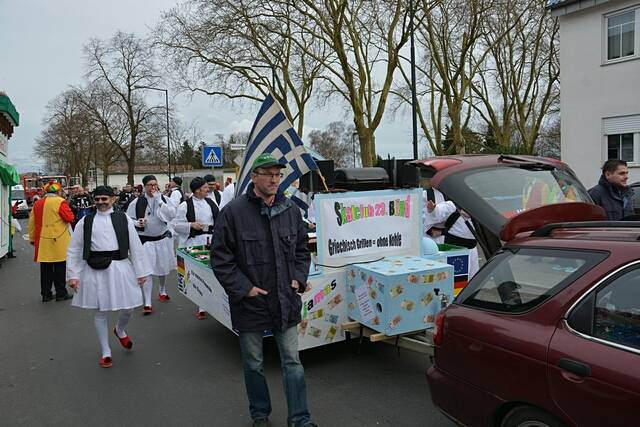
(364, 304)
(366, 225)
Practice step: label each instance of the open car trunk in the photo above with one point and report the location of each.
(497, 190)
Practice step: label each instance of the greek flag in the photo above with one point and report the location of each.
(272, 133)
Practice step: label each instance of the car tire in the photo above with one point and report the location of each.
(529, 416)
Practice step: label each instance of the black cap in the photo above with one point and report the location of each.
(210, 178)
(177, 180)
(196, 183)
(148, 178)
(103, 190)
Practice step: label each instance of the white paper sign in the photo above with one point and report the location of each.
(362, 226)
(364, 304)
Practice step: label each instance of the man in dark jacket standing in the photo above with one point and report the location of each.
(612, 193)
(260, 256)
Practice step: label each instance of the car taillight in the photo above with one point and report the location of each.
(438, 330)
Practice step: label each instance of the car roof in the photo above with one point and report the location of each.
(623, 242)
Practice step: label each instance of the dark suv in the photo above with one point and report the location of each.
(548, 332)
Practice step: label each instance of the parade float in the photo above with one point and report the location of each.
(368, 274)
(9, 119)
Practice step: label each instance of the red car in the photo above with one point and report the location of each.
(548, 332)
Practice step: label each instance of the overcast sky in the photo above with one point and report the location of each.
(41, 55)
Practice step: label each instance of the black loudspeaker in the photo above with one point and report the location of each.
(401, 174)
(311, 182)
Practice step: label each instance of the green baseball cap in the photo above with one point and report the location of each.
(266, 160)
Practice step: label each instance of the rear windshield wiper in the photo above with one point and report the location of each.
(525, 163)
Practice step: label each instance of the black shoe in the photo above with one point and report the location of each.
(261, 422)
(47, 298)
(64, 298)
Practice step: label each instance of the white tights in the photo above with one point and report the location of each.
(147, 289)
(101, 321)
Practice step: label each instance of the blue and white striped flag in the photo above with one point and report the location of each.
(273, 133)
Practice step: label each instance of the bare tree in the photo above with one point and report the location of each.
(225, 47)
(519, 85)
(336, 143)
(116, 69)
(65, 142)
(365, 38)
(184, 139)
(455, 41)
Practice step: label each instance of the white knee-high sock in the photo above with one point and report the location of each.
(101, 321)
(163, 287)
(147, 290)
(123, 321)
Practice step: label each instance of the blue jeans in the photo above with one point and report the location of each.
(292, 376)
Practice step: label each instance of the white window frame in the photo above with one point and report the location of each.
(636, 140)
(636, 35)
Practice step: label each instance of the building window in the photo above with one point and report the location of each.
(620, 147)
(621, 35)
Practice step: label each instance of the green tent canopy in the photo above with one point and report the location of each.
(8, 174)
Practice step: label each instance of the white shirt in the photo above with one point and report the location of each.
(157, 217)
(103, 238)
(176, 197)
(183, 227)
(440, 214)
(431, 220)
(228, 194)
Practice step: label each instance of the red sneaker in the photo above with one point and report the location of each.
(147, 310)
(105, 362)
(201, 315)
(125, 342)
(164, 297)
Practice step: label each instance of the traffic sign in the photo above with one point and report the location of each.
(238, 147)
(212, 156)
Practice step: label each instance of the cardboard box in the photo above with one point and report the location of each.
(324, 309)
(397, 295)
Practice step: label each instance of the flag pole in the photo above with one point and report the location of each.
(324, 181)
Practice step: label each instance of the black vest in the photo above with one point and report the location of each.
(217, 196)
(121, 227)
(191, 215)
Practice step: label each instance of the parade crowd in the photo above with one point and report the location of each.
(108, 247)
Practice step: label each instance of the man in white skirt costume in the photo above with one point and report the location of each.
(452, 225)
(152, 213)
(106, 265)
(194, 220)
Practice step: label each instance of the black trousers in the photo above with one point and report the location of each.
(53, 273)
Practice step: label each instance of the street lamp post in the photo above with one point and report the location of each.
(414, 98)
(166, 100)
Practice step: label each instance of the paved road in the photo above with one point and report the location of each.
(182, 372)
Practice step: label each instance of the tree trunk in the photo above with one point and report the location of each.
(131, 166)
(367, 141)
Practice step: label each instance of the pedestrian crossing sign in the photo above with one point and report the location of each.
(212, 156)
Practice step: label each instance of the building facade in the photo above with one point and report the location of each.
(9, 119)
(600, 78)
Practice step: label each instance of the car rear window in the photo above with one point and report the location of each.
(513, 190)
(519, 279)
